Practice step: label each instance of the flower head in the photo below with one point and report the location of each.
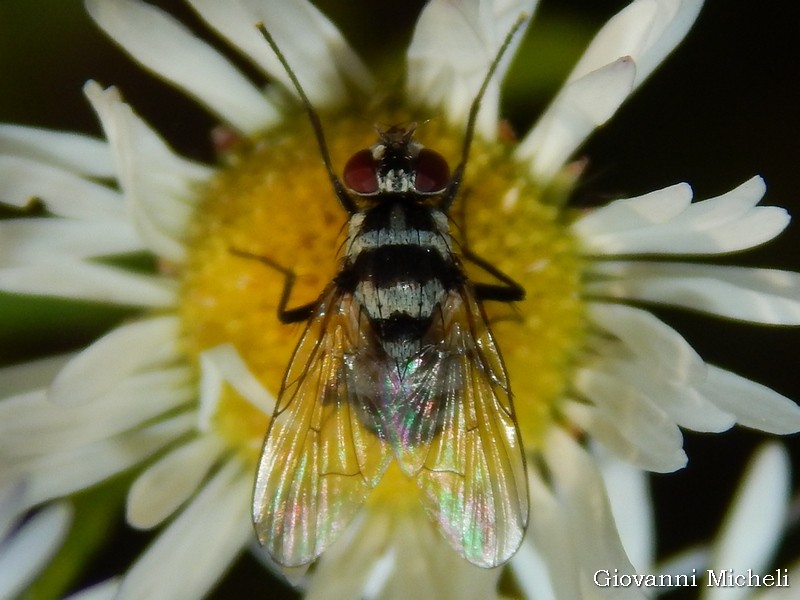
(186, 391)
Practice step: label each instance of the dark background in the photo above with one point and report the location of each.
(723, 108)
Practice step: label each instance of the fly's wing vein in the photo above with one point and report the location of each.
(321, 454)
(466, 456)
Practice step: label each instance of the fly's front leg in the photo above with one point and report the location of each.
(285, 314)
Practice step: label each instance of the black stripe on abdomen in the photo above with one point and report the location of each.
(391, 265)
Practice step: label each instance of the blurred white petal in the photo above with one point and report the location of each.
(72, 152)
(31, 547)
(159, 186)
(584, 523)
(32, 375)
(315, 49)
(63, 193)
(579, 108)
(161, 488)
(30, 424)
(632, 507)
(88, 281)
(453, 45)
(343, 570)
(135, 347)
(532, 574)
(59, 474)
(26, 241)
(224, 364)
(105, 590)
(645, 30)
(754, 525)
(164, 46)
(643, 33)
(199, 544)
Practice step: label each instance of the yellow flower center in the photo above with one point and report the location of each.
(273, 199)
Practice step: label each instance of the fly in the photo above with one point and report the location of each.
(396, 363)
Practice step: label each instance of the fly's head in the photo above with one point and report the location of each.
(397, 164)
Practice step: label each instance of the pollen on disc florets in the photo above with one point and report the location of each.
(272, 198)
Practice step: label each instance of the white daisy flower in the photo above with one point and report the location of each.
(184, 393)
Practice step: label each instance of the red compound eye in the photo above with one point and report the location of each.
(432, 172)
(360, 173)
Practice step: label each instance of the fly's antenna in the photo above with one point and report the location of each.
(341, 193)
(455, 183)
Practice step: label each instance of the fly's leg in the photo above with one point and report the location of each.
(285, 314)
(507, 291)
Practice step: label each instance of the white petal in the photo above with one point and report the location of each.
(30, 548)
(12, 507)
(167, 48)
(171, 481)
(199, 545)
(643, 33)
(159, 186)
(681, 401)
(448, 58)
(727, 223)
(782, 593)
(24, 241)
(754, 405)
(316, 51)
(342, 571)
(757, 295)
(64, 194)
(135, 347)
(583, 504)
(73, 152)
(88, 281)
(548, 533)
(654, 436)
(632, 507)
(421, 557)
(531, 573)
(31, 425)
(686, 562)
(645, 30)
(224, 364)
(624, 440)
(633, 213)
(651, 340)
(106, 590)
(753, 527)
(579, 108)
(55, 475)
(31, 375)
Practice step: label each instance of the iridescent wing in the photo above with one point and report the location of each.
(455, 432)
(323, 452)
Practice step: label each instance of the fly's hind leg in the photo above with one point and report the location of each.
(285, 314)
(507, 291)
